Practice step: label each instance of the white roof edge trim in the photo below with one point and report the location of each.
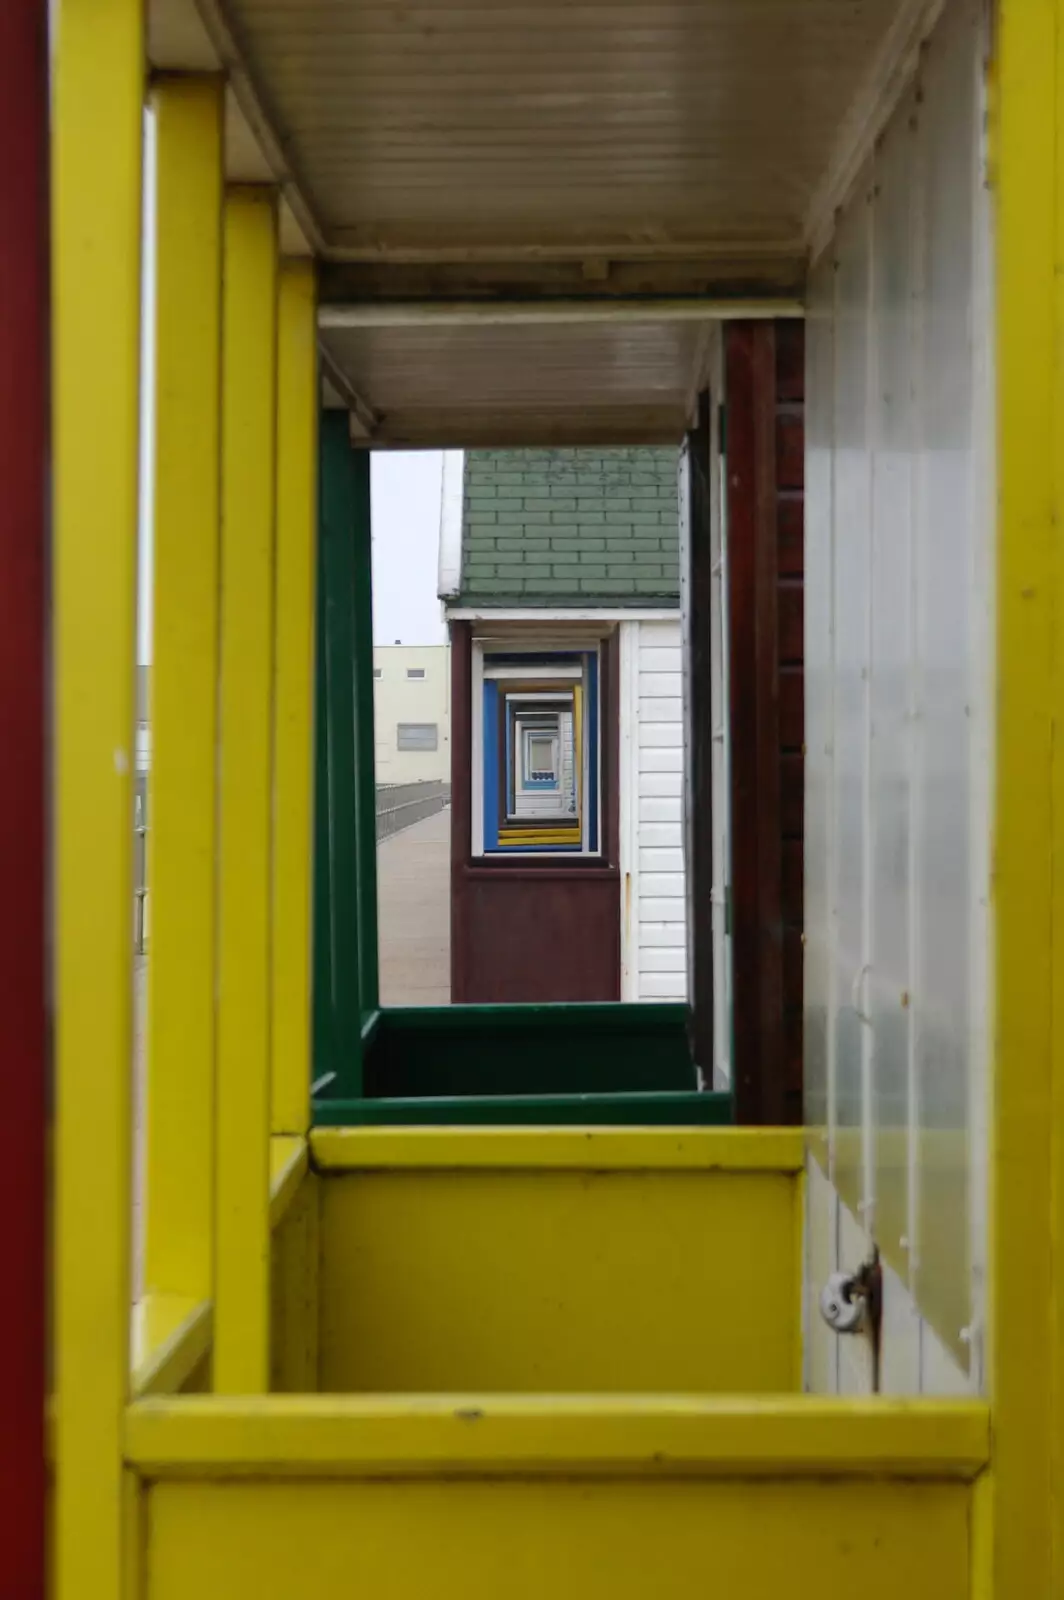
(451, 504)
(564, 614)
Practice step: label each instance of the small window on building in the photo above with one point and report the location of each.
(378, 672)
(416, 736)
(415, 672)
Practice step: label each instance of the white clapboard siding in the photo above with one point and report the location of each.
(662, 735)
(661, 986)
(655, 660)
(662, 760)
(658, 909)
(660, 685)
(662, 712)
(659, 835)
(660, 933)
(664, 958)
(655, 931)
(653, 808)
(657, 786)
(661, 859)
(662, 885)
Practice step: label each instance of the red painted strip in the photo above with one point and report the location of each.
(753, 596)
(24, 471)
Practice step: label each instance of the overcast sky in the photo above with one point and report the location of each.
(406, 529)
(405, 489)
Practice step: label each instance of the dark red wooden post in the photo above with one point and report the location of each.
(701, 822)
(23, 574)
(764, 466)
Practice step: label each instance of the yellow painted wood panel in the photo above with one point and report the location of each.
(96, 229)
(182, 842)
(293, 743)
(289, 1161)
(294, 1293)
(1055, 1420)
(628, 1540)
(249, 373)
(563, 1280)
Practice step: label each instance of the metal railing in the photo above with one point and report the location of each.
(400, 805)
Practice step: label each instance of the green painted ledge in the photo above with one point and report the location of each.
(678, 1109)
(619, 1065)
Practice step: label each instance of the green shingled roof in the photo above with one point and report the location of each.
(570, 527)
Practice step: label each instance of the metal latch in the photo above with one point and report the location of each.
(852, 1302)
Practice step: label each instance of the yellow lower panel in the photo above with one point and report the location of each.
(511, 1280)
(294, 1292)
(568, 1540)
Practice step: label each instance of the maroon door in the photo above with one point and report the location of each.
(531, 930)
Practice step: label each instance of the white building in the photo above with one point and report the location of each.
(412, 712)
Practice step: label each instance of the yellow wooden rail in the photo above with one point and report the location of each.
(293, 742)
(249, 372)
(179, 1241)
(598, 1149)
(384, 1436)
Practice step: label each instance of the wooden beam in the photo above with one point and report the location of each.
(551, 313)
(253, 105)
(546, 427)
(364, 421)
(731, 279)
(590, 239)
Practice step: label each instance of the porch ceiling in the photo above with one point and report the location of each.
(523, 384)
(524, 151)
(606, 129)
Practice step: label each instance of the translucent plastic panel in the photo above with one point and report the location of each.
(893, 430)
(947, 531)
(899, 512)
(819, 696)
(852, 550)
